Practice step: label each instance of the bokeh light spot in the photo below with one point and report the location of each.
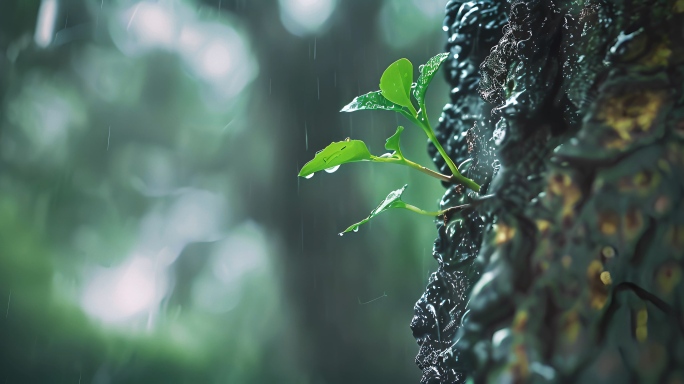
(304, 17)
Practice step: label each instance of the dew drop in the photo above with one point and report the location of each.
(341, 233)
(310, 175)
(386, 155)
(356, 229)
(332, 169)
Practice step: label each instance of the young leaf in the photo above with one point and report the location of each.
(393, 200)
(371, 100)
(336, 154)
(392, 143)
(395, 83)
(427, 73)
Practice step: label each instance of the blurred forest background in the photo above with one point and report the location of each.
(152, 226)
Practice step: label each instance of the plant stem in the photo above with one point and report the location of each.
(422, 212)
(422, 121)
(407, 162)
(429, 171)
(425, 124)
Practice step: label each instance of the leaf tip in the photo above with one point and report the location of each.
(352, 228)
(306, 175)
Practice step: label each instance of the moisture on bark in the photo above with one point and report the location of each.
(573, 116)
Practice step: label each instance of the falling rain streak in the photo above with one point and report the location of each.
(130, 21)
(97, 17)
(298, 178)
(384, 294)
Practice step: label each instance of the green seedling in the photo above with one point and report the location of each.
(393, 200)
(396, 89)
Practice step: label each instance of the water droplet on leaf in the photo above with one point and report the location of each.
(332, 169)
(310, 175)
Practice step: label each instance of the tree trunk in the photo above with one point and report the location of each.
(573, 116)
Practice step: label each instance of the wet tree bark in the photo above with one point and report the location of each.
(571, 114)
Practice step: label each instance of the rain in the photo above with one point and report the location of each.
(153, 228)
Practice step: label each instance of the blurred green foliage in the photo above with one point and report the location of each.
(152, 226)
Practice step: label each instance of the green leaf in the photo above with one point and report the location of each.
(396, 81)
(393, 200)
(371, 100)
(336, 154)
(392, 143)
(427, 73)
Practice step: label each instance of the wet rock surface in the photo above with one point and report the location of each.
(571, 115)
